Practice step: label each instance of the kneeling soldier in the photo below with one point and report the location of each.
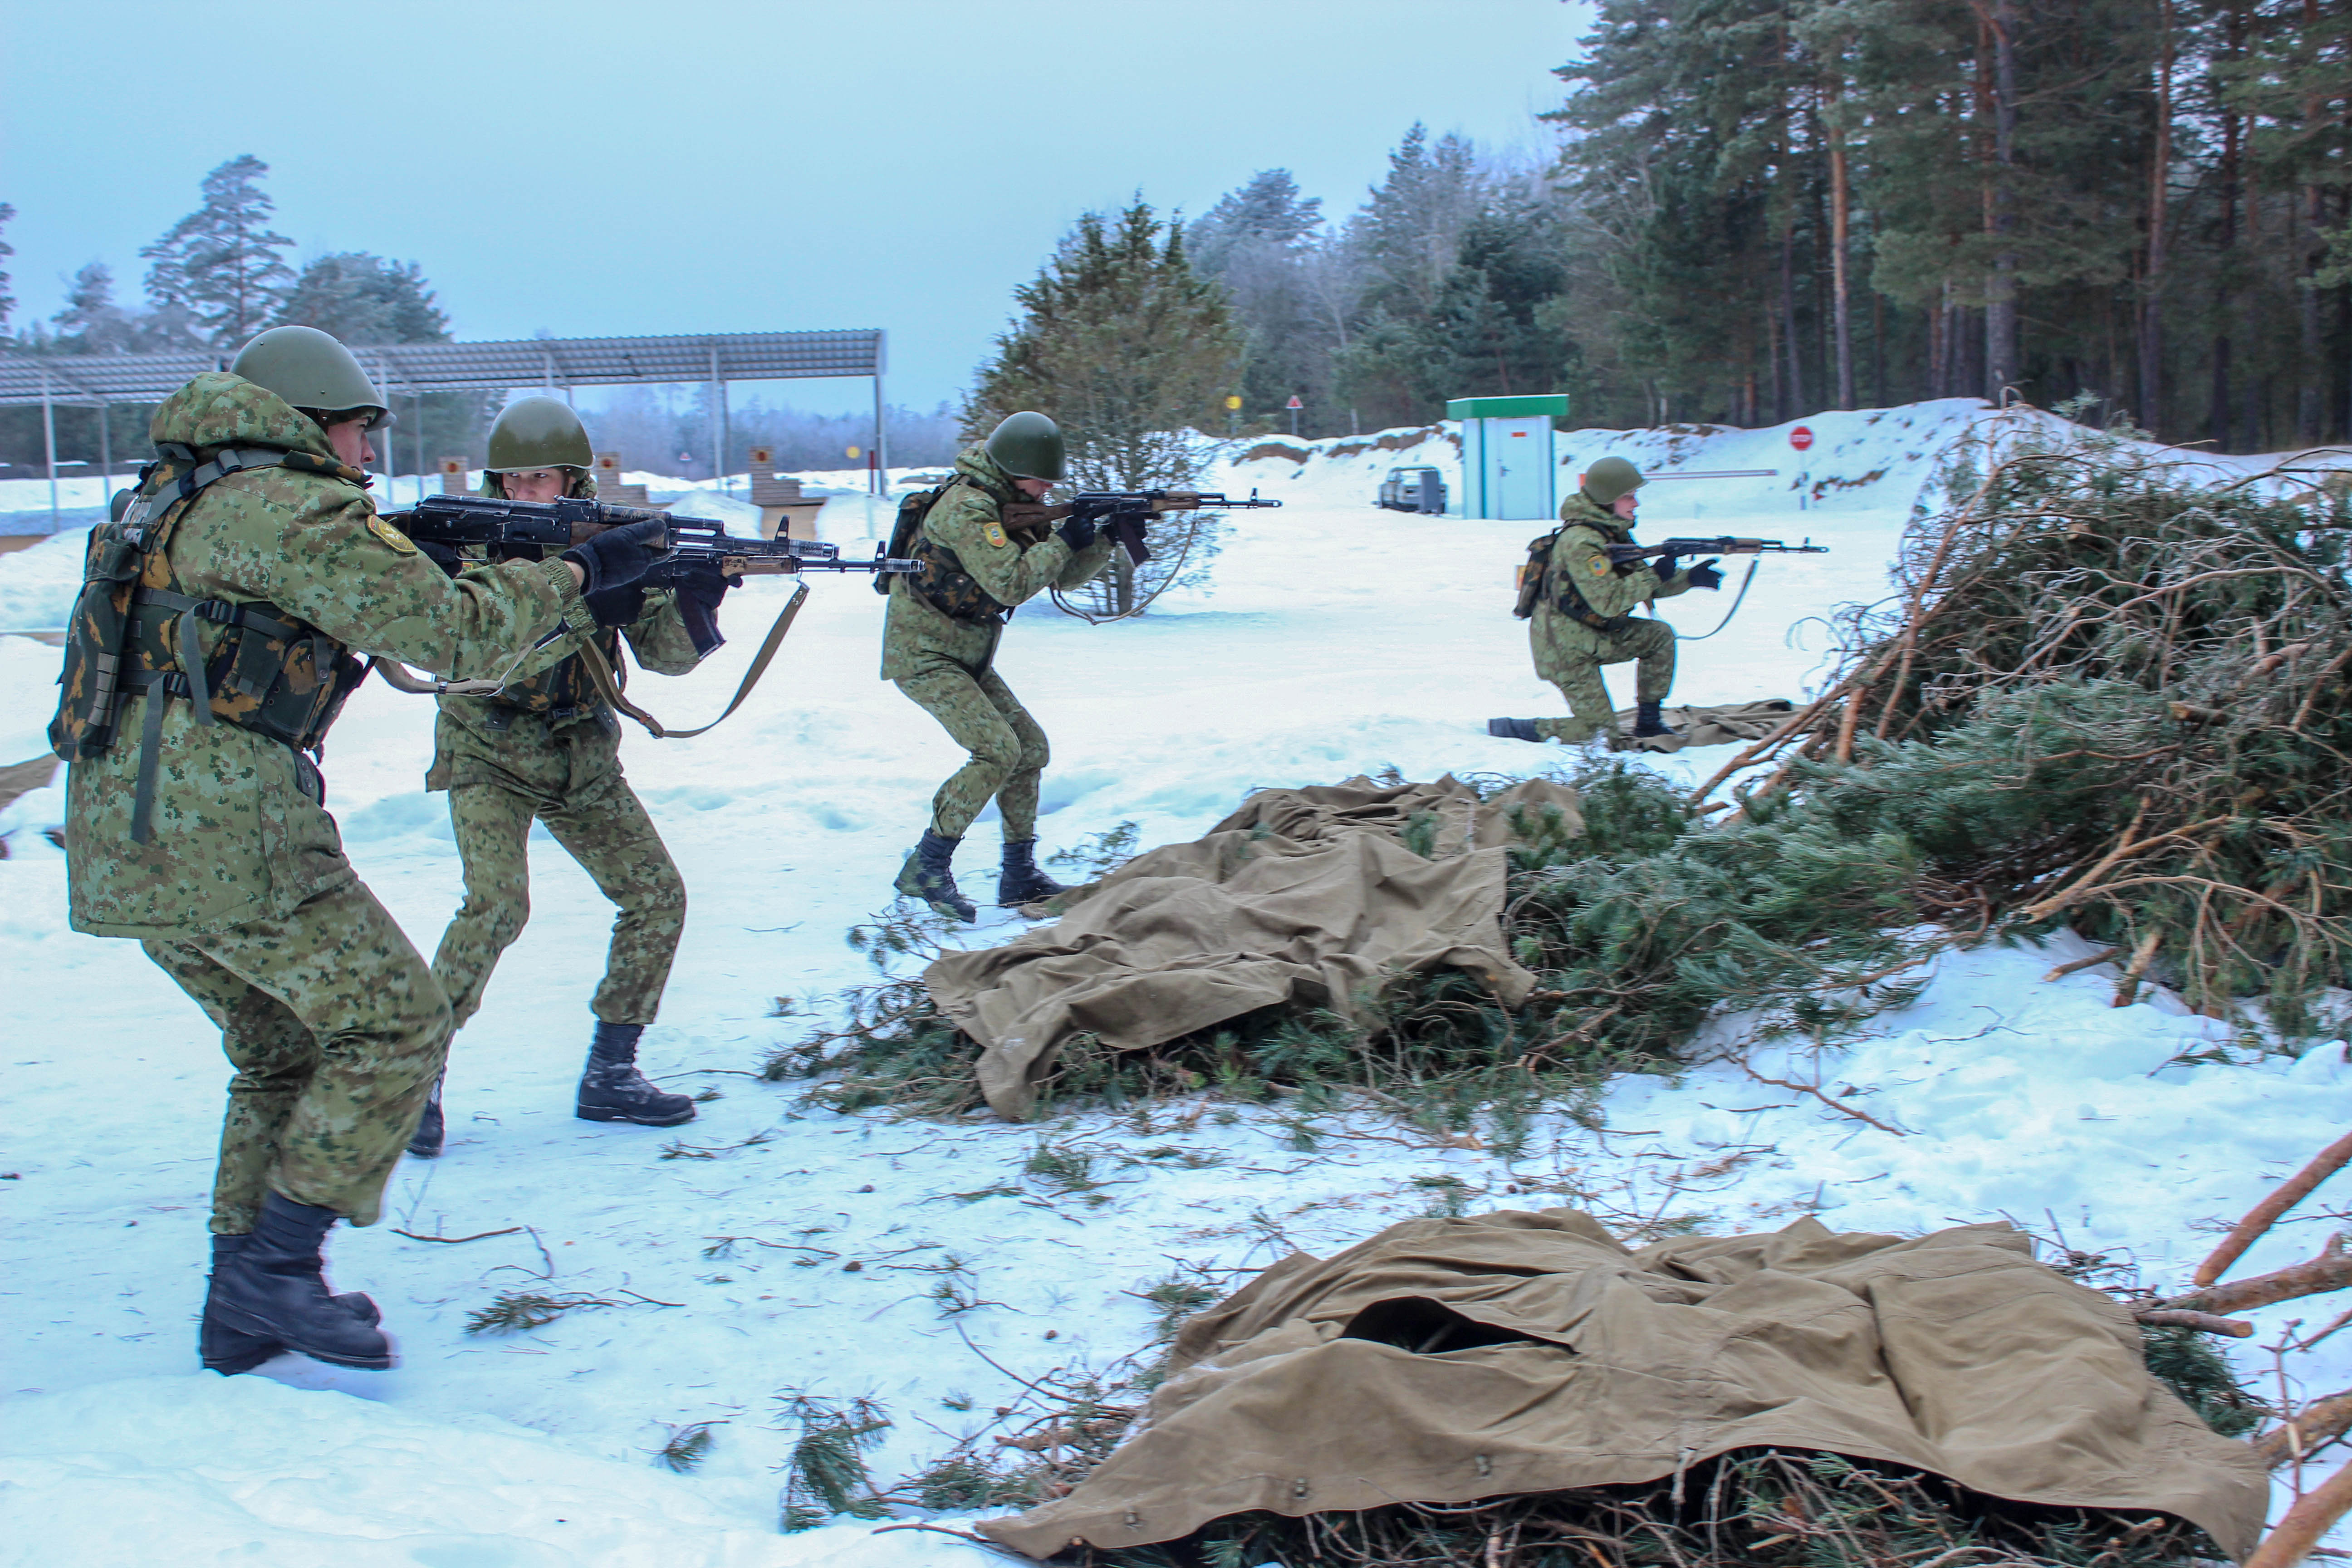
(550, 748)
(211, 648)
(1580, 605)
(939, 644)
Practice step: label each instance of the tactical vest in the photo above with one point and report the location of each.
(942, 584)
(1538, 581)
(563, 689)
(247, 664)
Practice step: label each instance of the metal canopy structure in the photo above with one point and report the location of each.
(95, 380)
(88, 380)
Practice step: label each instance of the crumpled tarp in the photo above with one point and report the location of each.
(1302, 896)
(19, 779)
(1448, 1361)
(1719, 726)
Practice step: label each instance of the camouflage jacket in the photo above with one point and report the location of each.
(238, 836)
(968, 519)
(478, 740)
(1580, 556)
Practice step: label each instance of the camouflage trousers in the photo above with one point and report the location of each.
(1571, 655)
(1008, 749)
(337, 1029)
(603, 826)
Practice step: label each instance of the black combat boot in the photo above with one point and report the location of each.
(1018, 880)
(228, 1350)
(273, 1289)
(1514, 729)
(613, 1089)
(930, 875)
(425, 1142)
(1647, 725)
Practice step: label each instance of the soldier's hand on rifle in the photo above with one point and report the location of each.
(618, 607)
(441, 555)
(1077, 533)
(618, 555)
(1705, 575)
(699, 587)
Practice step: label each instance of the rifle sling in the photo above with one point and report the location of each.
(601, 673)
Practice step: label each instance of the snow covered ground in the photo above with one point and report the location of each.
(786, 1250)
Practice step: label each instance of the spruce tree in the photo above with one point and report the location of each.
(1258, 242)
(222, 263)
(1129, 349)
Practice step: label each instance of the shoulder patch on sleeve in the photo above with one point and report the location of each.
(1600, 564)
(391, 536)
(996, 535)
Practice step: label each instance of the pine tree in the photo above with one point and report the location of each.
(1258, 242)
(221, 263)
(363, 298)
(7, 301)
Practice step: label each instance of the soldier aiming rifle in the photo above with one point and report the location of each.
(548, 748)
(213, 642)
(1579, 587)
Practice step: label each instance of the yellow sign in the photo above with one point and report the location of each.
(1233, 402)
(855, 451)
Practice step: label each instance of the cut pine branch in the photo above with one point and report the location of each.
(2312, 1515)
(2203, 1323)
(2331, 1270)
(2265, 1215)
(2320, 1422)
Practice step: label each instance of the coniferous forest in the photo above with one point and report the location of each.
(1739, 211)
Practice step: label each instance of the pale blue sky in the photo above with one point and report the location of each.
(623, 166)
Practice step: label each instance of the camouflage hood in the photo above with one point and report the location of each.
(974, 464)
(217, 409)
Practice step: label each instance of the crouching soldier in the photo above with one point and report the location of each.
(213, 641)
(939, 644)
(549, 748)
(1580, 605)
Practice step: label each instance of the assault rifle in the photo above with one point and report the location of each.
(1122, 513)
(696, 547)
(1667, 549)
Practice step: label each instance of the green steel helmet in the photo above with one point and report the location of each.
(539, 432)
(311, 371)
(1028, 446)
(1609, 478)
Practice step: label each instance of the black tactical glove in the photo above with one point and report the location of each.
(619, 555)
(445, 556)
(1705, 575)
(1077, 533)
(618, 607)
(699, 589)
(1665, 566)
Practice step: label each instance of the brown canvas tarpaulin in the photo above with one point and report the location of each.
(1720, 726)
(19, 779)
(1447, 1361)
(1303, 895)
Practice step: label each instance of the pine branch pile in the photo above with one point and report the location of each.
(1750, 1508)
(2110, 695)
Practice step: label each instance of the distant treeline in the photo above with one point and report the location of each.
(1765, 209)
(220, 275)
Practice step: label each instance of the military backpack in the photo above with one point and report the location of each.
(1537, 581)
(942, 584)
(247, 664)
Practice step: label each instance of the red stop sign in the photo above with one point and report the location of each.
(1801, 437)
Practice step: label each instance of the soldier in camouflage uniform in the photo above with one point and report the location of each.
(939, 643)
(550, 748)
(1583, 611)
(212, 643)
